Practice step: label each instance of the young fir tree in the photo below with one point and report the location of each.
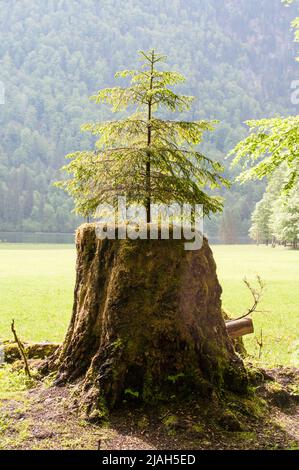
(143, 157)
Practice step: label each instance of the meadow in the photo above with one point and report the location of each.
(37, 281)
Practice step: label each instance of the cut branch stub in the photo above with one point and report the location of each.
(238, 328)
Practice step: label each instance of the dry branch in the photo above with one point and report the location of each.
(21, 349)
(256, 294)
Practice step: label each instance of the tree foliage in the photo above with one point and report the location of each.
(276, 217)
(143, 157)
(271, 143)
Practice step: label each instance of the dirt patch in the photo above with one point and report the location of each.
(45, 418)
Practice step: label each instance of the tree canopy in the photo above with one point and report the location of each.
(144, 157)
(276, 216)
(271, 143)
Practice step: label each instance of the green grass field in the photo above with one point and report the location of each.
(279, 269)
(36, 289)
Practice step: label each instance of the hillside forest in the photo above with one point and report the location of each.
(237, 57)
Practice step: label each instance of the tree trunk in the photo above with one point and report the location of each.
(146, 322)
(149, 141)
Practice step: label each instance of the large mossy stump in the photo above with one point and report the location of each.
(146, 322)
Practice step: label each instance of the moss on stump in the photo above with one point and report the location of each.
(32, 350)
(146, 322)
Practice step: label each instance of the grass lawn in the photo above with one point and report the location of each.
(36, 289)
(279, 269)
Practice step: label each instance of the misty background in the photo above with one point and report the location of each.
(237, 56)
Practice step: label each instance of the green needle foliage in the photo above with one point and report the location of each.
(271, 143)
(143, 157)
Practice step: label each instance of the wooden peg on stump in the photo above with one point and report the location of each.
(237, 328)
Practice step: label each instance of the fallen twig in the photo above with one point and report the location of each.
(21, 349)
(260, 343)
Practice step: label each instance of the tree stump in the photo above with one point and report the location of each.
(147, 322)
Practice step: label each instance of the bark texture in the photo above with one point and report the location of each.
(146, 322)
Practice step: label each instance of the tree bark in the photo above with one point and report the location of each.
(149, 141)
(146, 321)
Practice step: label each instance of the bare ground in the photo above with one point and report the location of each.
(44, 418)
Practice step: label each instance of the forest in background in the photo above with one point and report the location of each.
(237, 56)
